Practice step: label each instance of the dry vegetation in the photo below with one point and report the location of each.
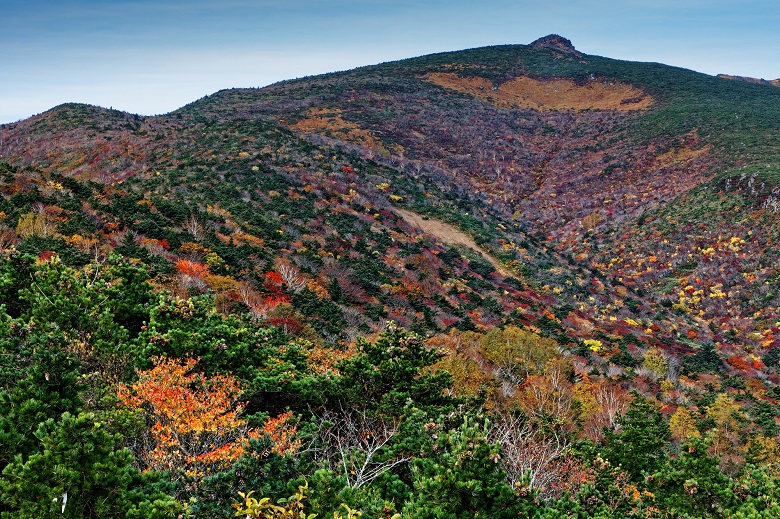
(552, 94)
(328, 121)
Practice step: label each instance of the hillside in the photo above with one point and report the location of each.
(581, 243)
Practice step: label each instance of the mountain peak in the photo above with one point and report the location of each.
(555, 42)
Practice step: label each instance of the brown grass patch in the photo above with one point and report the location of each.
(325, 121)
(680, 156)
(553, 94)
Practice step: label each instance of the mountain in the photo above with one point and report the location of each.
(620, 217)
(657, 180)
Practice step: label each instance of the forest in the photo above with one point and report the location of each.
(514, 281)
(120, 401)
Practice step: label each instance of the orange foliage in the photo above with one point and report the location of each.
(550, 94)
(282, 431)
(548, 399)
(155, 243)
(739, 363)
(241, 238)
(324, 360)
(191, 268)
(318, 289)
(111, 227)
(602, 402)
(83, 243)
(196, 425)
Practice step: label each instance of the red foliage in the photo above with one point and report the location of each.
(191, 268)
(274, 278)
(274, 284)
(739, 363)
(46, 255)
(288, 324)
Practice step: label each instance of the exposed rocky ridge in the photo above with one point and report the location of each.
(761, 81)
(555, 42)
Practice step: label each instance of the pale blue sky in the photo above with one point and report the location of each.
(153, 56)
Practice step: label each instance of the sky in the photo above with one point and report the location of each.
(153, 56)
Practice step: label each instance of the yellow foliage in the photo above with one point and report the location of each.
(593, 344)
(763, 450)
(735, 242)
(518, 350)
(189, 248)
(655, 361)
(683, 425)
(214, 260)
(35, 224)
(469, 378)
(218, 211)
(290, 508)
(725, 411)
(592, 220)
(221, 284)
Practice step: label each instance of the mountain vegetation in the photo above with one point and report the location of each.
(513, 281)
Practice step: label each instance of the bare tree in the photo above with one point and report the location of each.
(193, 227)
(291, 276)
(528, 456)
(7, 237)
(357, 444)
(253, 300)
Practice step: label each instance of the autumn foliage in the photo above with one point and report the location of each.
(194, 420)
(191, 268)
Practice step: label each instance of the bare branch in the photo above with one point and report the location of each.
(357, 445)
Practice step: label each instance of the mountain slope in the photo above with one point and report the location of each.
(610, 186)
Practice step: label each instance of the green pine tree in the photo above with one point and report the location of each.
(464, 480)
(639, 446)
(79, 472)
